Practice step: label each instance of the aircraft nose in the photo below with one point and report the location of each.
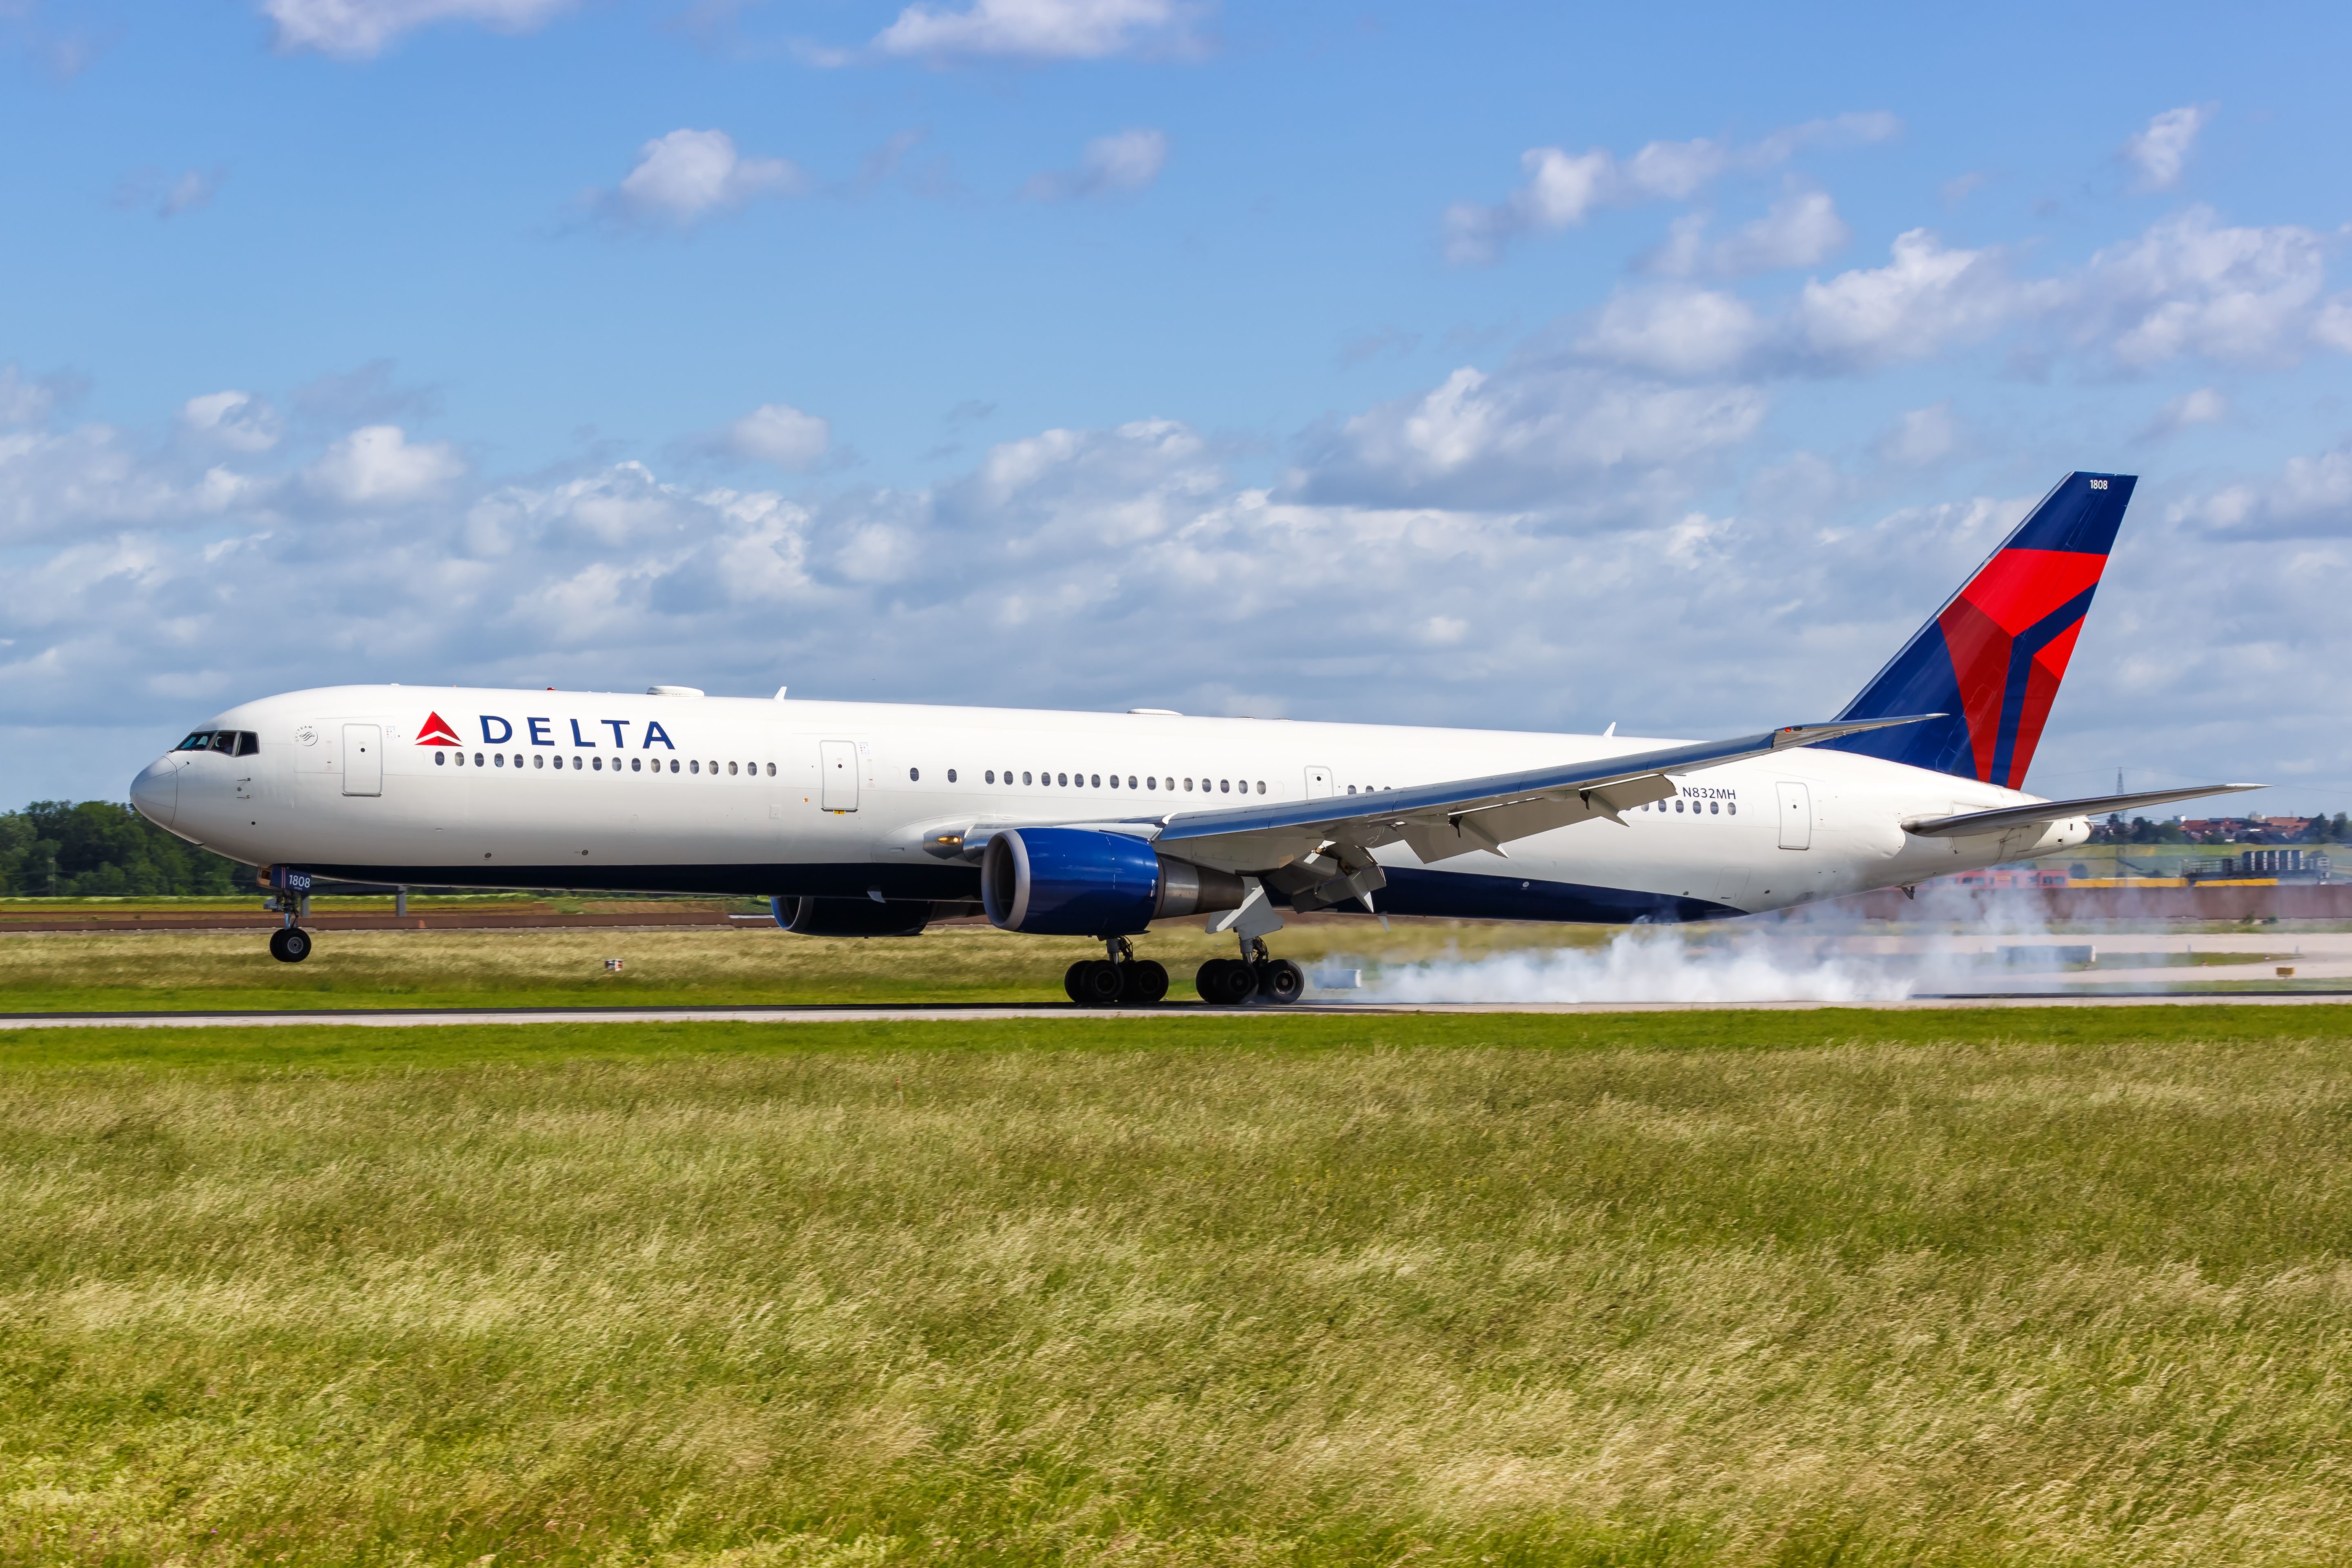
(156, 791)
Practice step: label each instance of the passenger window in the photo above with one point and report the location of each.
(1024, 778)
(477, 759)
(597, 764)
(1261, 786)
(1130, 781)
(772, 773)
(1712, 809)
(914, 775)
(636, 764)
(991, 775)
(1678, 804)
(951, 774)
(1151, 781)
(1114, 781)
(1064, 781)
(730, 770)
(694, 766)
(440, 758)
(1188, 787)
(1731, 808)
(1097, 780)
(537, 761)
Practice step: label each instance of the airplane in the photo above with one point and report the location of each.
(870, 819)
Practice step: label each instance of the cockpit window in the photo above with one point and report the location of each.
(229, 742)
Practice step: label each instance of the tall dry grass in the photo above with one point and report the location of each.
(2008, 1302)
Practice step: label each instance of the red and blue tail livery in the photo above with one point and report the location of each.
(1991, 659)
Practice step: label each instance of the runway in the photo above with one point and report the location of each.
(890, 1013)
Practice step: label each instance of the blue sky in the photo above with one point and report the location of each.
(1496, 366)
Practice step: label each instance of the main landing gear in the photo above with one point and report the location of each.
(1230, 982)
(1122, 978)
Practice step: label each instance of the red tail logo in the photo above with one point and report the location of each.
(437, 732)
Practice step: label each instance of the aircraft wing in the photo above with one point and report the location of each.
(1285, 842)
(2007, 816)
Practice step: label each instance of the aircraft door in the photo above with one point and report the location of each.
(1796, 815)
(1319, 782)
(362, 759)
(837, 775)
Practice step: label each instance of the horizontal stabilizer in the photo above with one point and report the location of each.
(2007, 816)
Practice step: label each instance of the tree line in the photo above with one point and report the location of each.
(97, 848)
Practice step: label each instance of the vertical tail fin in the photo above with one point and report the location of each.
(1991, 659)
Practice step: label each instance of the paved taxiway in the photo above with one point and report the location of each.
(401, 1018)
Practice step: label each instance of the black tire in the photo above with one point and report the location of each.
(1225, 982)
(1096, 983)
(1281, 982)
(1070, 980)
(289, 944)
(1144, 981)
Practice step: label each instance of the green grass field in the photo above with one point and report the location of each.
(1726, 1289)
(702, 966)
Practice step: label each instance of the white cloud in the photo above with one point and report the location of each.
(357, 30)
(689, 174)
(1802, 229)
(2160, 151)
(1526, 439)
(377, 466)
(23, 402)
(1929, 295)
(1676, 332)
(236, 420)
(1124, 161)
(2310, 499)
(780, 434)
(1922, 437)
(1562, 189)
(2191, 286)
(1041, 30)
(166, 196)
(2202, 406)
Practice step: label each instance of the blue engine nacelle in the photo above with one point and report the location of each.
(1079, 881)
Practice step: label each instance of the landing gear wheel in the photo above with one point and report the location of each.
(1225, 982)
(1094, 983)
(1142, 981)
(1281, 982)
(289, 944)
(1070, 979)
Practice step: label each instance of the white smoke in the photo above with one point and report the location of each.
(1820, 953)
(1645, 966)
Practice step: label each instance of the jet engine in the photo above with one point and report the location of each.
(1080, 881)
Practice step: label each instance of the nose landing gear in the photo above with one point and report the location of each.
(1122, 979)
(290, 943)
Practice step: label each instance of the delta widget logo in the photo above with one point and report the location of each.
(437, 732)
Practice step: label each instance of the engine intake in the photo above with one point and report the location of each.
(1081, 881)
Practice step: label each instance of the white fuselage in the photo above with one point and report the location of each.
(547, 789)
